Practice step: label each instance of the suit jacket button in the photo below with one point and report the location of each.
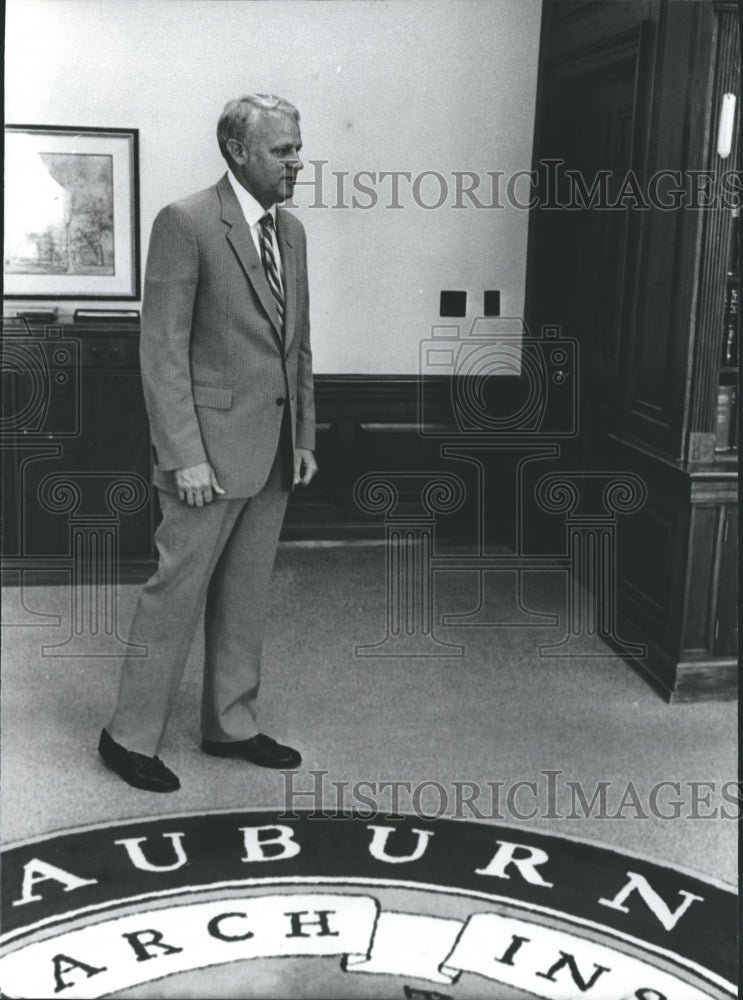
(280, 400)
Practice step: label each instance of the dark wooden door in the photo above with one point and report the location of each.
(583, 244)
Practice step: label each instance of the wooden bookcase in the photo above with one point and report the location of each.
(637, 86)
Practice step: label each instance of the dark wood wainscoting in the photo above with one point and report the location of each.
(76, 454)
(401, 431)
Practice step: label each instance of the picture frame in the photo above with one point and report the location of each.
(72, 213)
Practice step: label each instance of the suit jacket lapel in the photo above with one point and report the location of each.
(289, 265)
(239, 238)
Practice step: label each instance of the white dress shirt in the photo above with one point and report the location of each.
(254, 212)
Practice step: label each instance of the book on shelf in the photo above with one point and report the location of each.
(734, 421)
(96, 315)
(730, 330)
(734, 244)
(39, 315)
(726, 417)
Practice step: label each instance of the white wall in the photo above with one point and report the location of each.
(411, 85)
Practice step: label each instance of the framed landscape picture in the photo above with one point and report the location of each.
(71, 213)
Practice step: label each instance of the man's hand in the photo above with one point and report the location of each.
(305, 466)
(197, 484)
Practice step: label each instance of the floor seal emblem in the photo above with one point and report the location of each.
(268, 904)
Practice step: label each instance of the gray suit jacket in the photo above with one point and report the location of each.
(216, 369)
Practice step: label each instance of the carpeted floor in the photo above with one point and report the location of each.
(470, 727)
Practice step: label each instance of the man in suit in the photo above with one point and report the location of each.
(227, 374)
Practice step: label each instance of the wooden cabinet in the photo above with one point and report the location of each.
(75, 446)
(633, 90)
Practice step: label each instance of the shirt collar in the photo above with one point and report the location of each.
(252, 210)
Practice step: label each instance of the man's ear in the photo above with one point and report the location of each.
(238, 151)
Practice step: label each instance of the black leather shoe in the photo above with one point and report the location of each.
(139, 770)
(260, 750)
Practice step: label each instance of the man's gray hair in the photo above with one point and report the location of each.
(240, 117)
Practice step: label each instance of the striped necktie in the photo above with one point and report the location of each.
(269, 263)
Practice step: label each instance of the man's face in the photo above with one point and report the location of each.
(267, 165)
